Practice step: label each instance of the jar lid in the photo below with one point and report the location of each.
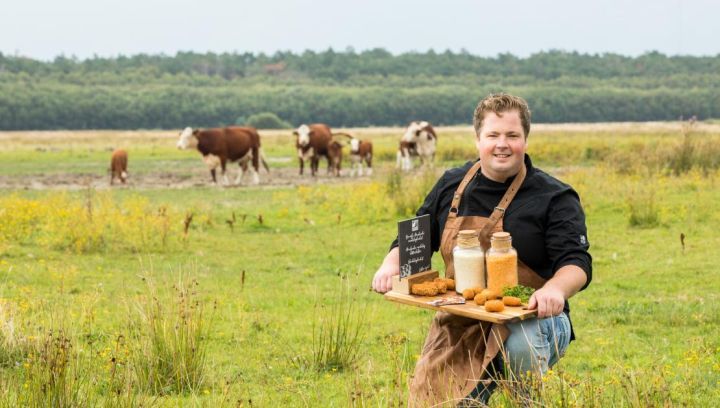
(468, 239)
(502, 235)
(501, 240)
(468, 233)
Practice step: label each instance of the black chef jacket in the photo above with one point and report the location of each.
(545, 219)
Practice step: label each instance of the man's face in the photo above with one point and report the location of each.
(501, 145)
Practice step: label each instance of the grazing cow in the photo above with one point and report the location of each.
(315, 141)
(220, 145)
(360, 151)
(420, 140)
(118, 166)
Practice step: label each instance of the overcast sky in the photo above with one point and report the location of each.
(45, 29)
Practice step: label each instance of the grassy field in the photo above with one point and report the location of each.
(116, 297)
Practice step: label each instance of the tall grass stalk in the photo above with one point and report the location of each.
(54, 374)
(397, 347)
(642, 210)
(13, 344)
(407, 190)
(339, 332)
(170, 335)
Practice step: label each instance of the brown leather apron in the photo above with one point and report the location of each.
(457, 349)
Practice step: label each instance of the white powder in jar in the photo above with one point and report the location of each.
(469, 268)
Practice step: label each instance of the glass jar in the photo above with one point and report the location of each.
(502, 262)
(469, 261)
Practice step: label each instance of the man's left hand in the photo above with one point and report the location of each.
(547, 301)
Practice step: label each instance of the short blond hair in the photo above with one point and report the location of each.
(499, 103)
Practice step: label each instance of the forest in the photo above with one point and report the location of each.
(347, 88)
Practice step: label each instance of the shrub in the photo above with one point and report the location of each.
(267, 120)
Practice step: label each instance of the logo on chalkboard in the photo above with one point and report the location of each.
(415, 246)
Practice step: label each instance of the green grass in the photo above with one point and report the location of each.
(647, 327)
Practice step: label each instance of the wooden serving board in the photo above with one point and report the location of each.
(469, 309)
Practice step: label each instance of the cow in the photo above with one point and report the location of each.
(220, 145)
(420, 140)
(360, 151)
(118, 166)
(315, 141)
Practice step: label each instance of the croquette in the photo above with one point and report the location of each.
(440, 285)
(468, 294)
(480, 299)
(494, 306)
(511, 301)
(449, 283)
(490, 294)
(424, 289)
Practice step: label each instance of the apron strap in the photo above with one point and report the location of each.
(461, 188)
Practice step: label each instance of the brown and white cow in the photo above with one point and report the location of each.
(420, 140)
(315, 141)
(118, 166)
(360, 151)
(230, 144)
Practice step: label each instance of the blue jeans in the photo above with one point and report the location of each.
(533, 346)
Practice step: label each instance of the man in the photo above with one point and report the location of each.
(501, 191)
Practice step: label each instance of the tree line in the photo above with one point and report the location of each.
(347, 88)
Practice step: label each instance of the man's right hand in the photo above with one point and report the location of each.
(382, 281)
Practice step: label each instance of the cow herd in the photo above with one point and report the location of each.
(241, 145)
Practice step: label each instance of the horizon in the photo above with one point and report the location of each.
(349, 50)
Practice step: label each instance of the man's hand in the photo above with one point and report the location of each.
(547, 301)
(550, 299)
(382, 281)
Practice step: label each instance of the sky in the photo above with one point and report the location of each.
(108, 28)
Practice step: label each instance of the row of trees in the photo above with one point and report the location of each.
(347, 89)
(344, 65)
(76, 107)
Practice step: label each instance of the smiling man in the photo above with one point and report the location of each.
(463, 359)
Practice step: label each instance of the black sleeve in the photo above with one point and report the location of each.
(566, 234)
(430, 206)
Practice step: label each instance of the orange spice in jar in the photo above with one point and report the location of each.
(502, 261)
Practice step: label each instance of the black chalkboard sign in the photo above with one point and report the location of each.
(414, 243)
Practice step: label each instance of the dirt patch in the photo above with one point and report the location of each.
(278, 177)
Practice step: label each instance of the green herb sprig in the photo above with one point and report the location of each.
(519, 291)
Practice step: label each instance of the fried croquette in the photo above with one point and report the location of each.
(494, 306)
(511, 301)
(490, 294)
(480, 299)
(424, 289)
(440, 285)
(468, 294)
(449, 283)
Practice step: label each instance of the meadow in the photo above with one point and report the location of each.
(155, 295)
